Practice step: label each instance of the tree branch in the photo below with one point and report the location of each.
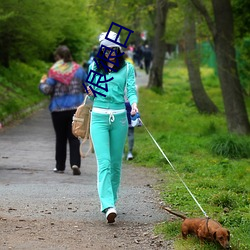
(202, 9)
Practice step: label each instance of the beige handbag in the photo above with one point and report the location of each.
(81, 126)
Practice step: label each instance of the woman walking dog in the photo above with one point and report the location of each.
(109, 123)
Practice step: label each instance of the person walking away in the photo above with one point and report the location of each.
(130, 127)
(65, 85)
(139, 55)
(147, 58)
(109, 123)
(130, 133)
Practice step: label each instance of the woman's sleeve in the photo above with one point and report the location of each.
(47, 87)
(131, 85)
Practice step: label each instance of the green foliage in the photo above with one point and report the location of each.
(241, 17)
(41, 30)
(137, 16)
(19, 87)
(231, 146)
(224, 200)
(170, 230)
(219, 183)
(175, 25)
(243, 59)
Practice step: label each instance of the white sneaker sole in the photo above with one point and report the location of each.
(58, 171)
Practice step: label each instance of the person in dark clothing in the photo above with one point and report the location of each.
(138, 56)
(147, 58)
(64, 83)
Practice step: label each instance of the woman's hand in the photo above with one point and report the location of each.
(90, 93)
(43, 79)
(134, 109)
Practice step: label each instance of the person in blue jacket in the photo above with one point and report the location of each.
(65, 84)
(109, 124)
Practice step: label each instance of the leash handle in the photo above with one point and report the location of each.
(174, 170)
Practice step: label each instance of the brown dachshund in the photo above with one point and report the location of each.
(204, 229)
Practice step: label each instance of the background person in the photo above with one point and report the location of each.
(130, 127)
(65, 85)
(130, 133)
(109, 125)
(147, 54)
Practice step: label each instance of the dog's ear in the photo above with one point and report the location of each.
(228, 237)
(214, 235)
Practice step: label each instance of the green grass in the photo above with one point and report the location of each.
(19, 87)
(214, 164)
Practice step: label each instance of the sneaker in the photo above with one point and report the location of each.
(111, 214)
(58, 171)
(76, 170)
(130, 156)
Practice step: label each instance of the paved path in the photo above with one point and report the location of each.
(141, 78)
(26, 163)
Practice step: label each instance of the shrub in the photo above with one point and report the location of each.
(231, 146)
(224, 200)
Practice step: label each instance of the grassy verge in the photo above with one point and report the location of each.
(212, 163)
(19, 88)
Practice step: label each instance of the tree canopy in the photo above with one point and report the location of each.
(28, 32)
(32, 30)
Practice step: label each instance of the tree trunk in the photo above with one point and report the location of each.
(201, 99)
(233, 97)
(223, 38)
(159, 48)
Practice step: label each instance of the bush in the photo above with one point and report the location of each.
(231, 146)
(224, 200)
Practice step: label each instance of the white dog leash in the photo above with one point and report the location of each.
(174, 170)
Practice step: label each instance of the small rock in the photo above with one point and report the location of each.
(155, 237)
(12, 209)
(137, 241)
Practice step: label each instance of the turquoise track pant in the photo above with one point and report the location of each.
(108, 136)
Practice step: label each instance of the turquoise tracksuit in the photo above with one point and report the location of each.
(109, 129)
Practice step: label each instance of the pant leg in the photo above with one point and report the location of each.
(60, 127)
(131, 139)
(147, 64)
(108, 140)
(119, 131)
(74, 143)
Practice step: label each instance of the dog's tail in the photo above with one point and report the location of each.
(175, 213)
